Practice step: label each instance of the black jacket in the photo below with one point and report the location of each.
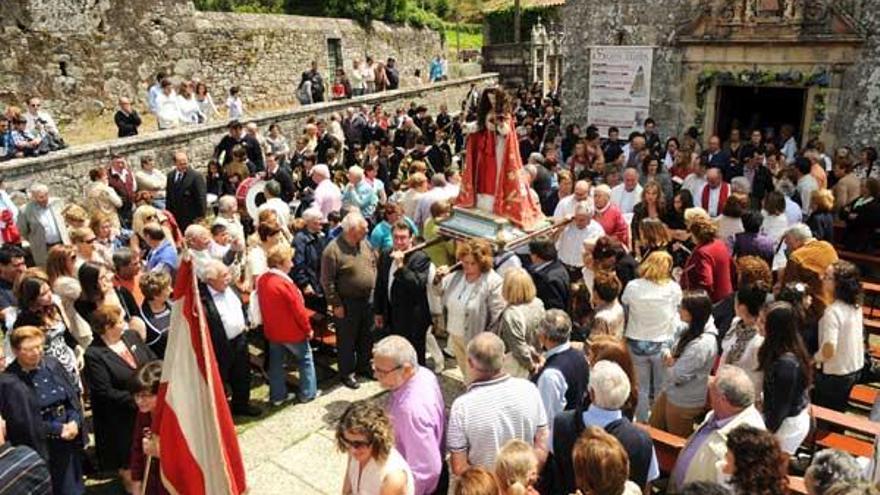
(861, 225)
(20, 410)
(285, 180)
(187, 198)
(407, 312)
(127, 124)
(250, 144)
(552, 284)
(761, 185)
(307, 249)
(222, 349)
(822, 225)
(113, 408)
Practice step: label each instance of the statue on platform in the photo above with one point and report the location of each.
(491, 179)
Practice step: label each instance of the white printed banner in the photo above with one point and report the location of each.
(620, 87)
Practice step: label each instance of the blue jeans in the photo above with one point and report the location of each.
(308, 383)
(651, 373)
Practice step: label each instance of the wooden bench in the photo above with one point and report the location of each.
(864, 395)
(842, 423)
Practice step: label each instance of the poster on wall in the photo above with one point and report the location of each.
(620, 87)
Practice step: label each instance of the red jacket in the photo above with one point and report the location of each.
(285, 317)
(614, 224)
(709, 268)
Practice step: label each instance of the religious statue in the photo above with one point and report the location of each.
(491, 179)
(751, 11)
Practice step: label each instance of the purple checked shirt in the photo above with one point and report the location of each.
(418, 416)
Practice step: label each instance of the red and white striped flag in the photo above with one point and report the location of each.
(198, 447)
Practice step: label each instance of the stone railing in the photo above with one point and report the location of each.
(66, 171)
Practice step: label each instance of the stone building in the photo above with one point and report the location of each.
(81, 55)
(814, 64)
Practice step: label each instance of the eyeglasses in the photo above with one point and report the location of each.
(355, 444)
(385, 372)
(89, 241)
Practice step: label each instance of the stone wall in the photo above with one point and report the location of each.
(80, 56)
(684, 49)
(66, 171)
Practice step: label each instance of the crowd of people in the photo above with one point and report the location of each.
(695, 290)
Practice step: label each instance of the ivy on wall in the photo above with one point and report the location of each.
(821, 80)
(500, 23)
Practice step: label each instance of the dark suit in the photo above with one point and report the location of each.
(861, 225)
(552, 284)
(285, 180)
(406, 312)
(720, 160)
(19, 407)
(186, 198)
(232, 355)
(113, 408)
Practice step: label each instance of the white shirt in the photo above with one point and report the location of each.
(566, 206)
(48, 125)
(805, 187)
(694, 184)
(189, 109)
(423, 208)
(47, 220)
(774, 227)
(626, 200)
(748, 361)
(793, 212)
(456, 305)
(236, 108)
(789, 149)
(841, 325)
(328, 197)
(570, 244)
(168, 111)
(152, 95)
(368, 480)
(653, 309)
(230, 309)
(280, 208)
(714, 199)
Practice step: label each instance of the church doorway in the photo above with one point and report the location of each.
(753, 107)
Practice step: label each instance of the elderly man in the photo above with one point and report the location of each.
(202, 248)
(360, 193)
(41, 224)
(808, 260)
(719, 158)
(227, 215)
(565, 207)
(228, 324)
(628, 193)
(186, 192)
(570, 244)
(495, 409)
(126, 118)
(714, 194)
(416, 409)
(563, 378)
(609, 390)
(830, 467)
(272, 192)
(401, 298)
(308, 244)
(122, 180)
(328, 197)
(348, 274)
(732, 398)
(632, 151)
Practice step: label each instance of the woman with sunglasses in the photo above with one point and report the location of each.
(374, 465)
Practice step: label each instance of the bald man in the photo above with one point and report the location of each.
(715, 193)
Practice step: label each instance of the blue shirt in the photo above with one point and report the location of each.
(363, 195)
(164, 257)
(381, 238)
(596, 416)
(552, 386)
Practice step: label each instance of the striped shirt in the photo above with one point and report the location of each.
(490, 414)
(23, 472)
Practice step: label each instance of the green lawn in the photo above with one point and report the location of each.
(469, 41)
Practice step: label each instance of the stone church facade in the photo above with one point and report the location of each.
(814, 64)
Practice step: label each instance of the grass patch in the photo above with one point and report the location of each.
(469, 40)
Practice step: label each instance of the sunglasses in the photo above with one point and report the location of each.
(355, 444)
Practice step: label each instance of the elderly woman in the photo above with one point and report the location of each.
(608, 215)
(37, 308)
(608, 348)
(519, 323)
(155, 311)
(684, 394)
(380, 238)
(841, 347)
(108, 237)
(652, 302)
(57, 396)
(471, 297)
(830, 467)
(286, 326)
(709, 266)
(374, 465)
(111, 362)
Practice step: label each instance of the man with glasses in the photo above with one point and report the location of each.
(416, 404)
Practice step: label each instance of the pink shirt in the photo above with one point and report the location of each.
(328, 197)
(419, 417)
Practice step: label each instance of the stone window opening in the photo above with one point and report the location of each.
(63, 66)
